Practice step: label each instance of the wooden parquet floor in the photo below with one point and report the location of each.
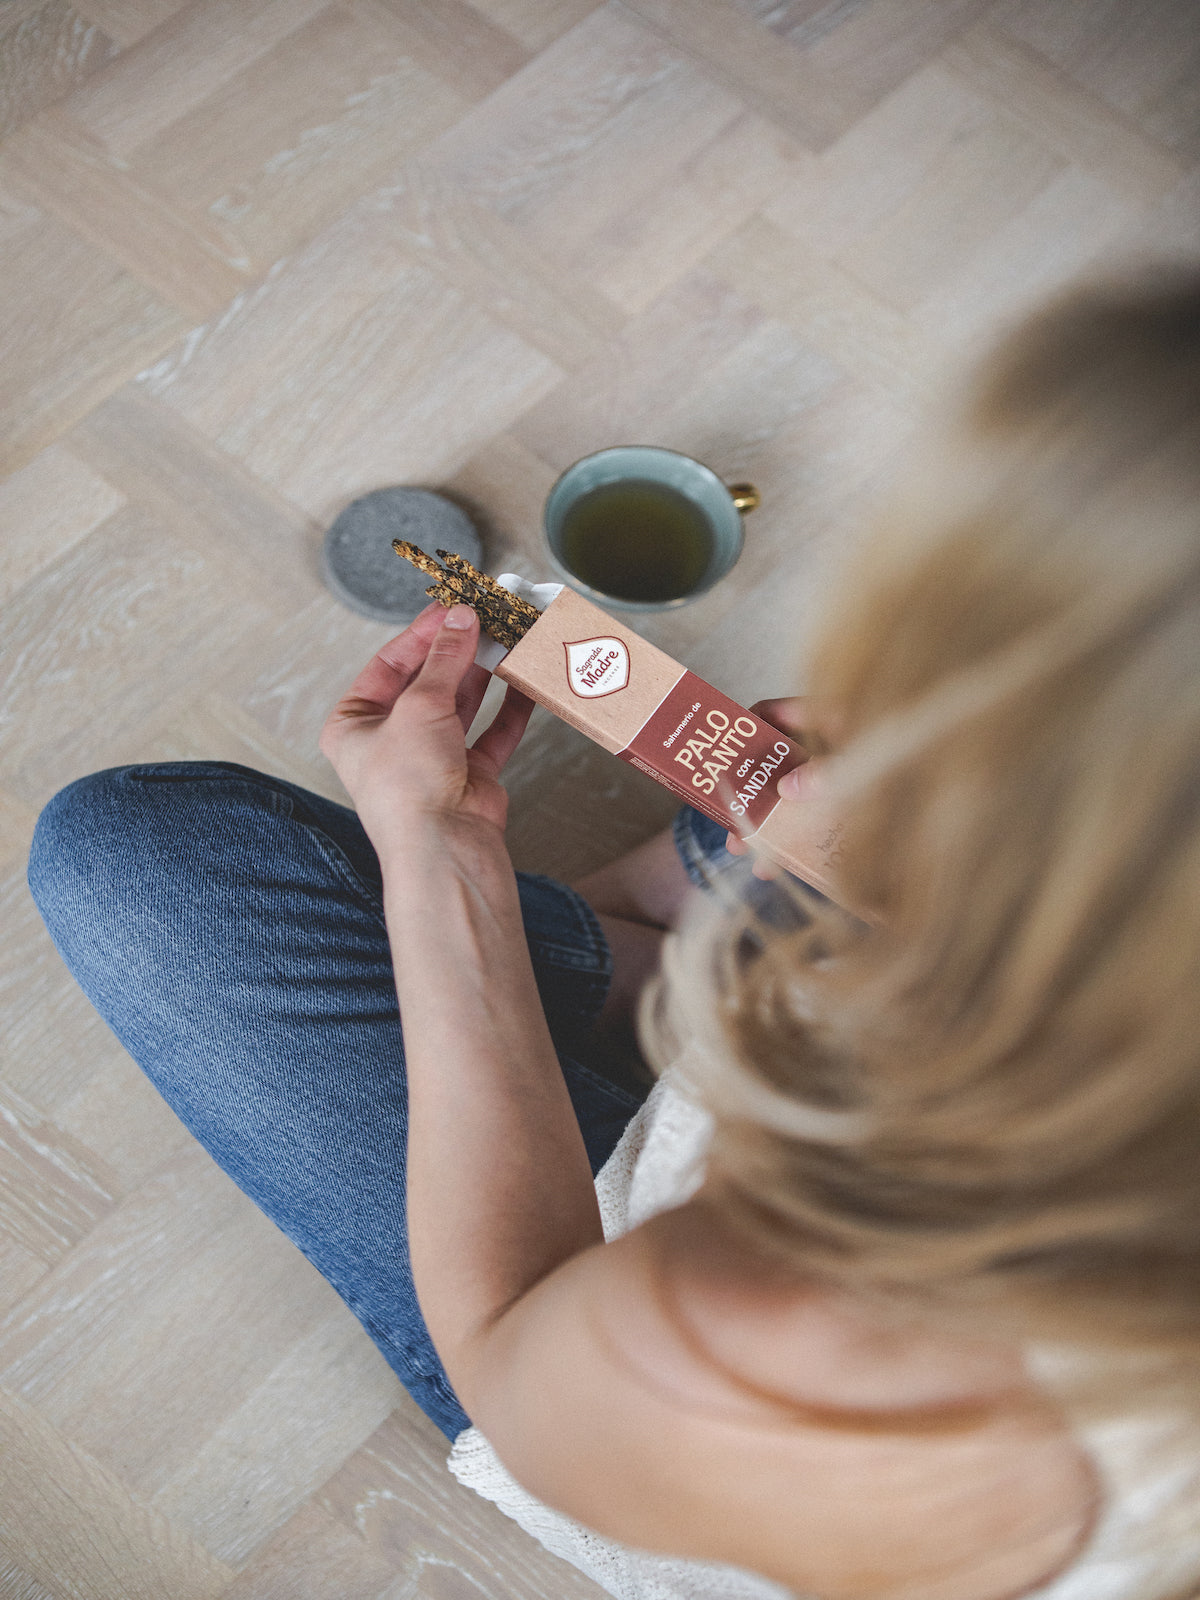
(260, 256)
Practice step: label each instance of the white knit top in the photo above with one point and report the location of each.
(1145, 1546)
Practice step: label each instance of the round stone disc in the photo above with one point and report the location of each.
(364, 571)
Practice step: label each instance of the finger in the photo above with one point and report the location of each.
(392, 669)
(761, 867)
(470, 695)
(503, 735)
(792, 713)
(812, 719)
(451, 654)
(804, 782)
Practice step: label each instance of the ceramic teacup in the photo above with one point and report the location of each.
(637, 528)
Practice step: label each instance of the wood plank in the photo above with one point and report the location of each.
(434, 224)
(988, 176)
(642, 247)
(121, 622)
(18, 1585)
(1142, 56)
(20, 1269)
(16, 829)
(122, 1120)
(85, 327)
(457, 43)
(504, 488)
(71, 1526)
(816, 70)
(778, 81)
(824, 304)
(128, 21)
(325, 1395)
(1071, 227)
(304, 662)
(1168, 233)
(535, 23)
(45, 508)
(276, 150)
(52, 1191)
(44, 51)
(703, 371)
(665, 359)
(174, 68)
(609, 97)
(803, 23)
(146, 1341)
(873, 49)
(207, 500)
(214, 727)
(189, 263)
(397, 1494)
(17, 217)
(854, 186)
(352, 370)
(1079, 126)
(312, 1557)
(54, 1040)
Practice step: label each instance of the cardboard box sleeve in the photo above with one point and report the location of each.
(636, 701)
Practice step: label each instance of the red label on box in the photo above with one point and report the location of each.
(714, 754)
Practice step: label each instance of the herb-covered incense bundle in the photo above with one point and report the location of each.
(501, 614)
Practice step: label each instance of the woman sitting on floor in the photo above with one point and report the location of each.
(901, 1291)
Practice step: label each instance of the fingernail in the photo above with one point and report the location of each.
(459, 617)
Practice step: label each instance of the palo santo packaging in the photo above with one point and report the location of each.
(634, 700)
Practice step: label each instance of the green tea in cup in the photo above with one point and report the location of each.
(642, 528)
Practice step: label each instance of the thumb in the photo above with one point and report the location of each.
(451, 652)
(805, 782)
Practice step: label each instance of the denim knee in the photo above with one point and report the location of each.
(63, 868)
(120, 857)
(100, 832)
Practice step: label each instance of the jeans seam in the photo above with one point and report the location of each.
(595, 965)
(702, 866)
(605, 1086)
(338, 862)
(283, 803)
(335, 858)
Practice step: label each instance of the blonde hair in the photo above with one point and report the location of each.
(987, 1105)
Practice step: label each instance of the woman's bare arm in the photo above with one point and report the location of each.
(499, 1187)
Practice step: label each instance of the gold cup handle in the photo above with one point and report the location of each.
(744, 496)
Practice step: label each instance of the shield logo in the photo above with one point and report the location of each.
(596, 667)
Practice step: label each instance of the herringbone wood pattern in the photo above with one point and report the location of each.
(263, 255)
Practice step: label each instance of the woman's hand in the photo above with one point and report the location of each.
(811, 723)
(397, 737)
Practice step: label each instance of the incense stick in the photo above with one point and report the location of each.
(501, 613)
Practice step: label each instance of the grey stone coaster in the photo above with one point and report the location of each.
(364, 571)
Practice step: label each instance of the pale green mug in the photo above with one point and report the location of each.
(719, 505)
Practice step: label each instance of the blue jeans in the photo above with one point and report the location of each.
(228, 927)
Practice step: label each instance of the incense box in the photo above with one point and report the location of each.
(637, 702)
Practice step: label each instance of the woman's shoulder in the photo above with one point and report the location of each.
(927, 1452)
(677, 1395)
